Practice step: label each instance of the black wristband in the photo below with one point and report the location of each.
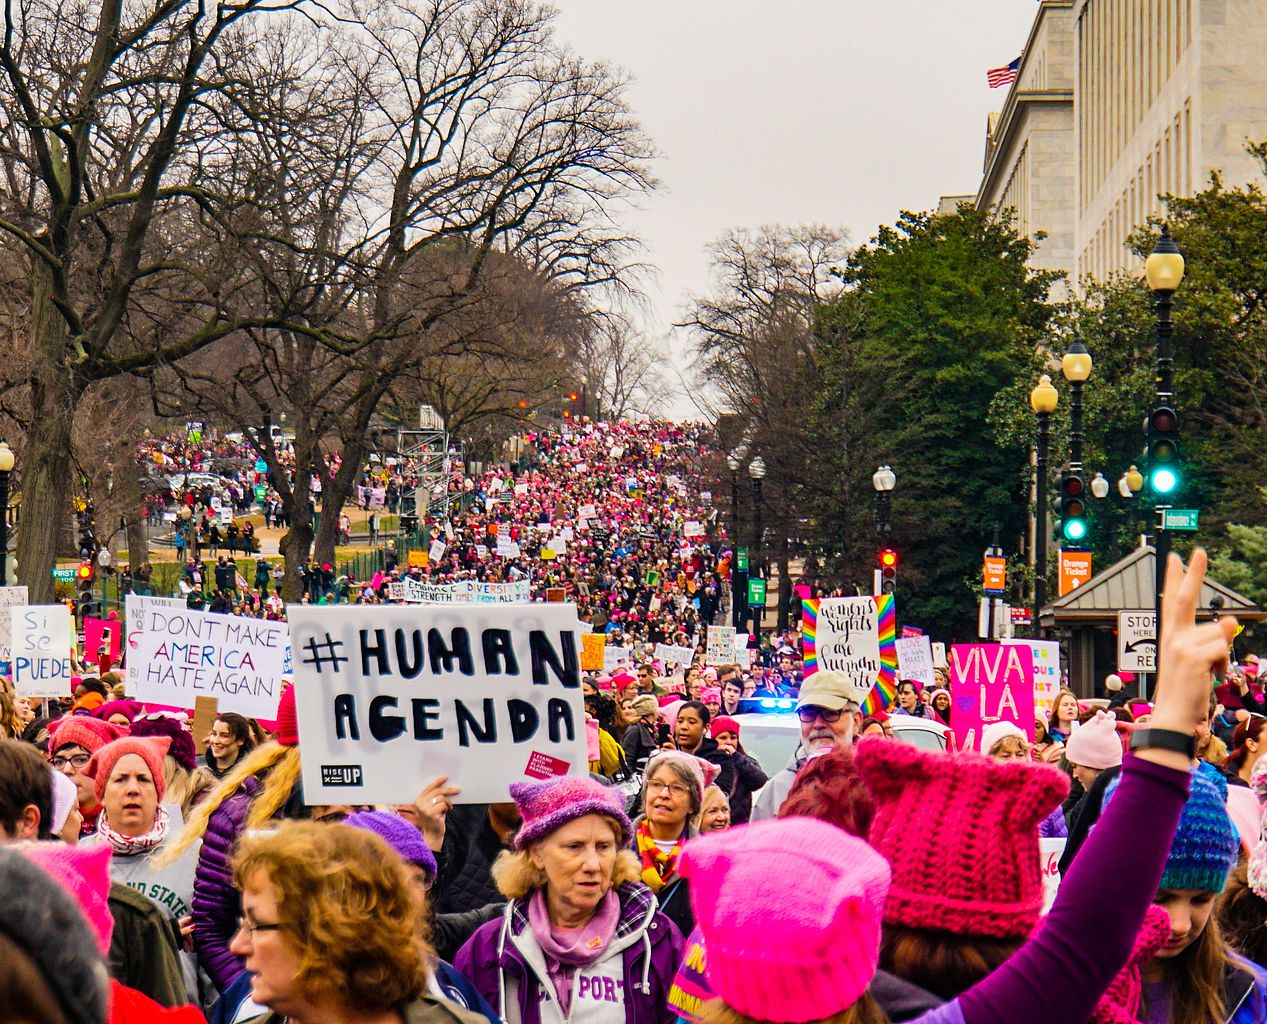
(1165, 739)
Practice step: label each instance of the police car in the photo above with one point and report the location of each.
(771, 732)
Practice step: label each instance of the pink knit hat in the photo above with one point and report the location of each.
(961, 834)
(790, 914)
(84, 872)
(552, 803)
(151, 750)
(83, 730)
(1095, 743)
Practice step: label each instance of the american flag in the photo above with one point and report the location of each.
(1004, 75)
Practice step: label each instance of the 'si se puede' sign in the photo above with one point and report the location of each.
(389, 697)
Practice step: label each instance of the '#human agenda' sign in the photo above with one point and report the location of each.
(388, 697)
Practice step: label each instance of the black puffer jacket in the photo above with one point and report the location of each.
(465, 879)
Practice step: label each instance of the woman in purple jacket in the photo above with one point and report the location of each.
(581, 940)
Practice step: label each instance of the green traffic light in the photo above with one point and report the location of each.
(1074, 529)
(1164, 480)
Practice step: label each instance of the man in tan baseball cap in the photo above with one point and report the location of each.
(828, 709)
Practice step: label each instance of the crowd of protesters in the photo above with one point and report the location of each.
(150, 874)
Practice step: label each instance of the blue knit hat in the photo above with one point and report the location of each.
(1206, 842)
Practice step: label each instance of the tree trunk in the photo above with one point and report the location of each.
(334, 496)
(136, 535)
(55, 393)
(297, 542)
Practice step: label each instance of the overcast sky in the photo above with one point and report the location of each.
(842, 112)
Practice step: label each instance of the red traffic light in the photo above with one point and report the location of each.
(888, 559)
(1073, 485)
(573, 396)
(84, 573)
(1164, 420)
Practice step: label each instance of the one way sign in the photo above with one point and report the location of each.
(1137, 641)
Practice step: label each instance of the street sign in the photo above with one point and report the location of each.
(1075, 569)
(1021, 617)
(994, 575)
(1179, 519)
(756, 592)
(741, 559)
(64, 574)
(1137, 641)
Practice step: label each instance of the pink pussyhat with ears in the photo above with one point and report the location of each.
(790, 912)
(84, 872)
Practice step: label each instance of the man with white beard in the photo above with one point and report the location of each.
(830, 716)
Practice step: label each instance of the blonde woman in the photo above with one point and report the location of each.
(578, 909)
(714, 815)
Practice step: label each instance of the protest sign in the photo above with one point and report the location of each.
(613, 657)
(180, 654)
(9, 598)
(939, 655)
(1046, 672)
(99, 633)
(416, 559)
(556, 595)
(915, 659)
(741, 648)
(481, 551)
(593, 648)
(585, 512)
(990, 683)
(42, 638)
(487, 695)
(205, 711)
(720, 648)
(436, 551)
(521, 489)
(1049, 853)
(692, 529)
(857, 637)
(673, 654)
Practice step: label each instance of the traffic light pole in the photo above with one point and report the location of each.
(1164, 301)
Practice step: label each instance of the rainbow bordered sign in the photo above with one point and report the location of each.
(856, 636)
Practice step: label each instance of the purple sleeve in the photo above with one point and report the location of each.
(216, 903)
(1091, 929)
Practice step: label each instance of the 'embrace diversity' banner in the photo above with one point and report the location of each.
(390, 696)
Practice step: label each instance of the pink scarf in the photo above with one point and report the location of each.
(129, 845)
(566, 949)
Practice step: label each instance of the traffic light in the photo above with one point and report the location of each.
(1163, 451)
(87, 540)
(888, 559)
(86, 605)
(1073, 508)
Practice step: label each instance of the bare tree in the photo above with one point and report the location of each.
(621, 369)
(111, 139)
(757, 350)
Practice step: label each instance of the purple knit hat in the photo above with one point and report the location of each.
(399, 834)
(551, 804)
(182, 748)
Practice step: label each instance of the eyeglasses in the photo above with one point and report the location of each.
(808, 713)
(675, 789)
(75, 761)
(251, 927)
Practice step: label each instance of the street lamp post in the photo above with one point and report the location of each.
(756, 470)
(1164, 273)
(883, 480)
(6, 467)
(1043, 401)
(736, 584)
(1076, 367)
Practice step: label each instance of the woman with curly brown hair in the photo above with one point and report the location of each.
(332, 928)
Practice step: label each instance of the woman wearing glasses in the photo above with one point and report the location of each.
(581, 938)
(332, 929)
(71, 743)
(672, 795)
